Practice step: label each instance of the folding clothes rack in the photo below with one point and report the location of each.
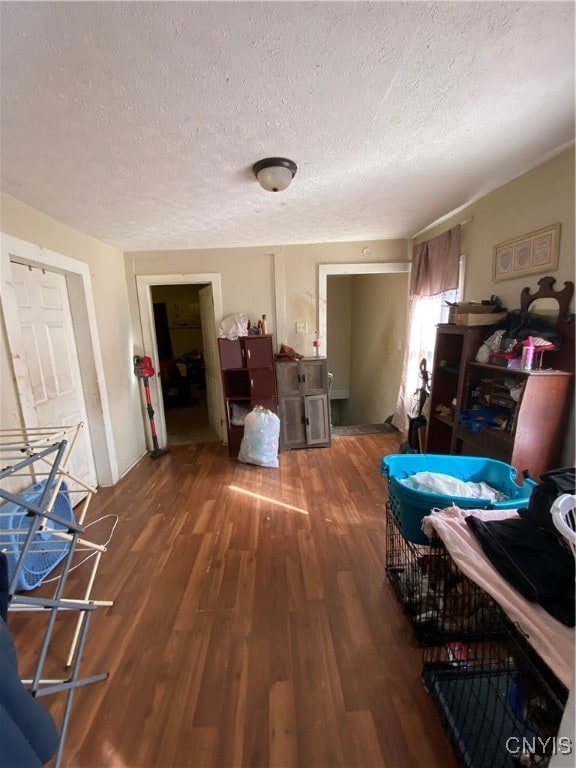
(28, 456)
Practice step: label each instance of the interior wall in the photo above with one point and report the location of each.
(247, 278)
(543, 196)
(339, 329)
(257, 280)
(301, 279)
(112, 317)
(379, 305)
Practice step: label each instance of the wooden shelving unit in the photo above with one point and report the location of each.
(455, 346)
(533, 426)
(248, 380)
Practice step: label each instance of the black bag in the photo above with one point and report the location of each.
(414, 424)
(553, 484)
(532, 560)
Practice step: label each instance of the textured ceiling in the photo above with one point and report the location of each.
(138, 123)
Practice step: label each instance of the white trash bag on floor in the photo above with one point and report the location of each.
(261, 436)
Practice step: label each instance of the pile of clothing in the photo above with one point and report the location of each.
(529, 552)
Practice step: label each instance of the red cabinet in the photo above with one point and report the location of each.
(248, 379)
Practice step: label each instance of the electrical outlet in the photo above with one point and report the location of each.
(301, 327)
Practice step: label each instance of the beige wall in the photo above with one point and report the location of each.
(543, 196)
(113, 321)
(366, 333)
(540, 197)
(282, 282)
(379, 304)
(301, 277)
(339, 329)
(259, 280)
(247, 277)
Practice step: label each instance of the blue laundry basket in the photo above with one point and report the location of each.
(409, 505)
(46, 550)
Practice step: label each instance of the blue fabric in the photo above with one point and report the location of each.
(28, 735)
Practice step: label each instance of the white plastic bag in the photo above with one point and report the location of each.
(233, 326)
(260, 441)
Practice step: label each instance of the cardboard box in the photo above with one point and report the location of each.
(468, 307)
(473, 318)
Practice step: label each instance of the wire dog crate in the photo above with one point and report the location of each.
(440, 603)
(499, 703)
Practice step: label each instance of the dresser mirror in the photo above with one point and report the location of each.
(554, 305)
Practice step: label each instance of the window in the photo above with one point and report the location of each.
(424, 314)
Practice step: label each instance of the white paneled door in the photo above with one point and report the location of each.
(49, 347)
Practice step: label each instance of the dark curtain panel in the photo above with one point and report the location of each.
(435, 264)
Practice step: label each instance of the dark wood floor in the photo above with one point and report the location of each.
(253, 624)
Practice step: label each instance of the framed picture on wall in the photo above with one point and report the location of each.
(527, 255)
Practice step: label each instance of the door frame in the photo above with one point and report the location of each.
(144, 285)
(82, 308)
(366, 268)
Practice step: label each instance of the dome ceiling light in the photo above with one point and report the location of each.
(274, 174)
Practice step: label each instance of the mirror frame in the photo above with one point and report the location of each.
(562, 359)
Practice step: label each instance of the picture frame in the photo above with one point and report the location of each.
(527, 255)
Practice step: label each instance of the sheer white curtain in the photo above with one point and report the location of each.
(424, 313)
(435, 279)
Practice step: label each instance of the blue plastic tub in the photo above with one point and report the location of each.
(409, 505)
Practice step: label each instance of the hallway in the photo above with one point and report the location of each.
(189, 424)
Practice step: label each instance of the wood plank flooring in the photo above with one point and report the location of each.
(253, 624)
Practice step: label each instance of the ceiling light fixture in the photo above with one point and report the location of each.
(274, 174)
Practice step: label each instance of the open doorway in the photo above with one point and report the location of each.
(196, 387)
(362, 320)
(181, 358)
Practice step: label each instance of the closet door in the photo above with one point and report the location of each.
(52, 360)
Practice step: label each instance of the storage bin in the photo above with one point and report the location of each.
(409, 505)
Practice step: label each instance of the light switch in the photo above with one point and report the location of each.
(301, 327)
